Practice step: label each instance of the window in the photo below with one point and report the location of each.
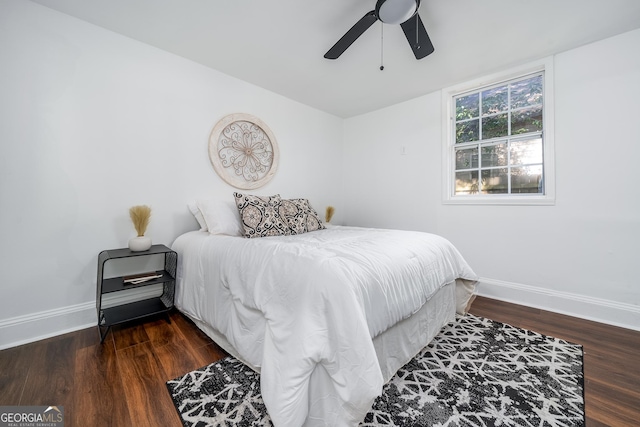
(498, 144)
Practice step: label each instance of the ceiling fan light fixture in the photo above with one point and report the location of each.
(396, 11)
(403, 12)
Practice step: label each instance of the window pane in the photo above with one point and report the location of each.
(494, 155)
(525, 152)
(494, 100)
(529, 120)
(467, 107)
(467, 158)
(467, 131)
(467, 182)
(495, 181)
(526, 92)
(526, 179)
(495, 126)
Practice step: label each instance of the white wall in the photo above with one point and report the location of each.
(92, 123)
(578, 256)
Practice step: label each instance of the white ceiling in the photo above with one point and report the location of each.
(279, 44)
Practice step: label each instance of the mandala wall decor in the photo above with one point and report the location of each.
(243, 151)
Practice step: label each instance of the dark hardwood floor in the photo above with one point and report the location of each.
(122, 382)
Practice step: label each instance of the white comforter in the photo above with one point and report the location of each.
(289, 303)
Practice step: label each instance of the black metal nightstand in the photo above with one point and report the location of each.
(138, 309)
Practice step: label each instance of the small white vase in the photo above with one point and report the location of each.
(140, 243)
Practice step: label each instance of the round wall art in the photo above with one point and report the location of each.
(243, 151)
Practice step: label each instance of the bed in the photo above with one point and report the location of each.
(326, 316)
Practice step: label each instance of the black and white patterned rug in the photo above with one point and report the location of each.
(476, 372)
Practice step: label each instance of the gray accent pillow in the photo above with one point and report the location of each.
(300, 216)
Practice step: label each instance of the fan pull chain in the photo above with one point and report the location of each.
(381, 46)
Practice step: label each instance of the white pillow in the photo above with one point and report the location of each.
(221, 217)
(193, 207)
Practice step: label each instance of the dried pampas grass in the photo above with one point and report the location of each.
(140, 216)
(329, 213)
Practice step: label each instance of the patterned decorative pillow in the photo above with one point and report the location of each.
(259, 215)
(300, 216)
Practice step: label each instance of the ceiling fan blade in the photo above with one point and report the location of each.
(417, 37)
(352, 35)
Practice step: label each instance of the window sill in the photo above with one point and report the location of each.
(500, 200)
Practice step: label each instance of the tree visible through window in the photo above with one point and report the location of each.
(499, 138)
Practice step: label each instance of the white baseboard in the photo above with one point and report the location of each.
(46, 324)
(585, 307)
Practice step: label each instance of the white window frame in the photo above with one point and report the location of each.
(448, 139)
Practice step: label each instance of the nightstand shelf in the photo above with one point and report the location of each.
(109, 316)
(133, 310)
(116, 284)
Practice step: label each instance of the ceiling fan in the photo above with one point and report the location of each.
(403, 12)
